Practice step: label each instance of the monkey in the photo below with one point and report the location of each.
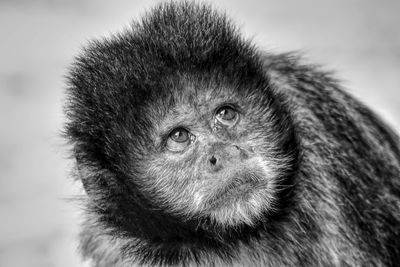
(197, 148)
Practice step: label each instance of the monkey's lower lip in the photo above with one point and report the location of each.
(233, 191)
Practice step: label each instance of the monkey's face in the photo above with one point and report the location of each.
(214, 157)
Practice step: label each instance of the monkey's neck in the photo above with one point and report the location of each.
(111, 248)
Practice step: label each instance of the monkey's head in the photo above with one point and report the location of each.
(176, 128)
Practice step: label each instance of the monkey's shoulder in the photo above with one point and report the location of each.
(292, 75)
(326, 116)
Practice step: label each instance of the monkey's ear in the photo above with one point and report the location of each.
(82, 174)
(88, 176)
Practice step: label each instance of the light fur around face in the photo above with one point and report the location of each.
(180, 182)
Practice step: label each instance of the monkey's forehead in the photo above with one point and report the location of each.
(195, 102)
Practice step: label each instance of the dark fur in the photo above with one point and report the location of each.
(340, 198)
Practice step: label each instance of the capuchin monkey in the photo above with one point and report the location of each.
(196, 148)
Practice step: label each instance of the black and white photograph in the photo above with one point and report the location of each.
(199, 133)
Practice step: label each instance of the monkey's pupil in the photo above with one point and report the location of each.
(179, 135)
(227, 113)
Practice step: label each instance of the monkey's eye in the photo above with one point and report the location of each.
(226, 115)
(179, 135)
(179, 139)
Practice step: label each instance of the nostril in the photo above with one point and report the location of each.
(213, 160)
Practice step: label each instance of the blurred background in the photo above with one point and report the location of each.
(359, 39)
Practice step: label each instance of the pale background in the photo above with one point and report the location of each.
(38, 39)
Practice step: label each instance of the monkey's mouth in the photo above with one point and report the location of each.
(235, 190)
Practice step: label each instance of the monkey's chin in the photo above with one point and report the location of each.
(243, 204)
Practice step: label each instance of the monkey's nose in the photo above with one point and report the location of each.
(213, 160)
(224, 156)
(215, 163)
